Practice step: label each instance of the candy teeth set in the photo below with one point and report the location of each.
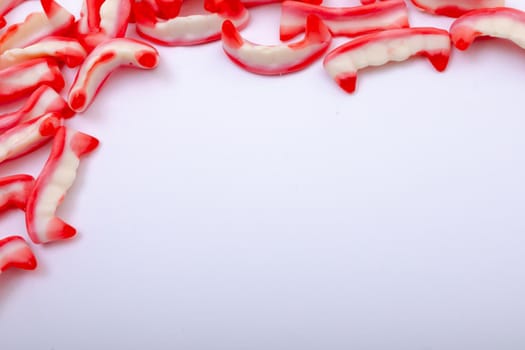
(344, 21)
(278, 59)
(377, 49)
(33, 52)
(51, 186)
(502, 23)
(104, 59)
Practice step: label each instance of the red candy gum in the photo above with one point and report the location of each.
(344, 21)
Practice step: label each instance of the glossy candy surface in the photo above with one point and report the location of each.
(28, 136)
(504, 23)
(102, 61)
(344, 21)
(55, 20)
(102, 20)
(192, 29)
(377, 49)
(277, 59)
(43, 100)
(57, 176)
(23, 78)
(62, 49)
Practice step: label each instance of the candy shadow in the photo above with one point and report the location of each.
(10, 281)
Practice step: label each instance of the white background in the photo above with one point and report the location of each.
(225, 210)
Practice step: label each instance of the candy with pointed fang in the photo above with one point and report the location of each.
(192, 29)
(14, 191)
(103, 60)
(344, 21)
(455, 8)
(277, 59)
(22, 79)
(504, 23)
(55, 20)
(377, 49)
(63, 49)
(16, 253)
(28, 136)
(43, 100)
(57, 176)
(103, 19)
(5, 7)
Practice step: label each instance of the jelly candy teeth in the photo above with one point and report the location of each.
(22, 79)
(43, 100)
(100, 20)
(14, 191)
(376, 49)
(344, 21)
(61, 48)
(26, 137)
(38, 25)
(502, 22)
(15, 253)
(189, 30)
(5, 7)
(455, 8)
(102, 61)
(277, 59)
(57, 176)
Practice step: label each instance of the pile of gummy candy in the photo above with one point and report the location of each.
(34, 51)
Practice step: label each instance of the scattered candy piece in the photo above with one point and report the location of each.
(189, 30)
(101, 20)
(14, 191)
(455, 8)
(277, 59)
(43, 100)
(344, 21)
(63, 49)
(28, 136)
(15, 253)
(376, 49)
(102, 61)
(504, 23)
(57, 176)
(55, 20)
(22, 79)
